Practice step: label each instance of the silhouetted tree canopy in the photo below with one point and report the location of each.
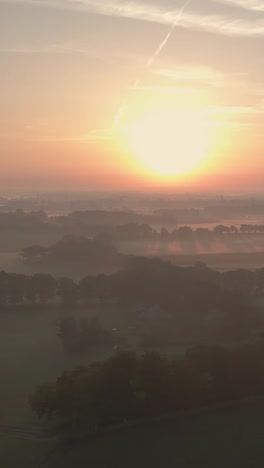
(127, 387)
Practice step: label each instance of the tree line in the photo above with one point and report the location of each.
(137, 232)
(164, 304)
(141, 281)
(118, 225)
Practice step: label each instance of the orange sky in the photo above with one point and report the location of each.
(77, 80)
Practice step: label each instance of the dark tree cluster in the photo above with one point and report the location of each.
(17, 289)
(40, 289)
(20, 219)
(142, 280)
(73, 250)
(128, 387)
(123, 388)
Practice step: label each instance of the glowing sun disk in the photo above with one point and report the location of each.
(169, 143)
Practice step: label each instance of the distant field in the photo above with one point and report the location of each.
(189, 255)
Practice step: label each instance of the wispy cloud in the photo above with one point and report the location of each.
(72, 47)
(204, 75)
(193, 74)
(250, 5)
(163, 89)
(219, 24)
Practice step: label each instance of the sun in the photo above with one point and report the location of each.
(169, 143)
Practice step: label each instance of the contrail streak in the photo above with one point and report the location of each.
(161, 46)
(168, 36)
(153, 58)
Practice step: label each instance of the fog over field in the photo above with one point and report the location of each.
(227, 231)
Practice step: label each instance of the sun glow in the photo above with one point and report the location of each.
(169, 143)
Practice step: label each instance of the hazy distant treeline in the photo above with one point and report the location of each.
(100, 254)
(118, 225)
(209, 205)
(137, 232)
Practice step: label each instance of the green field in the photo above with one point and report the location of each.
(30, 353)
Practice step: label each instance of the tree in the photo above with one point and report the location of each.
(123, 388)
(41, 288)
(220, 229)
(245, 228)
(68, 291)
(233, 229)
(16, 288)
(44, 401)
(88, 288)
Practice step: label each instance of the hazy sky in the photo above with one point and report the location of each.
(75, 72)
